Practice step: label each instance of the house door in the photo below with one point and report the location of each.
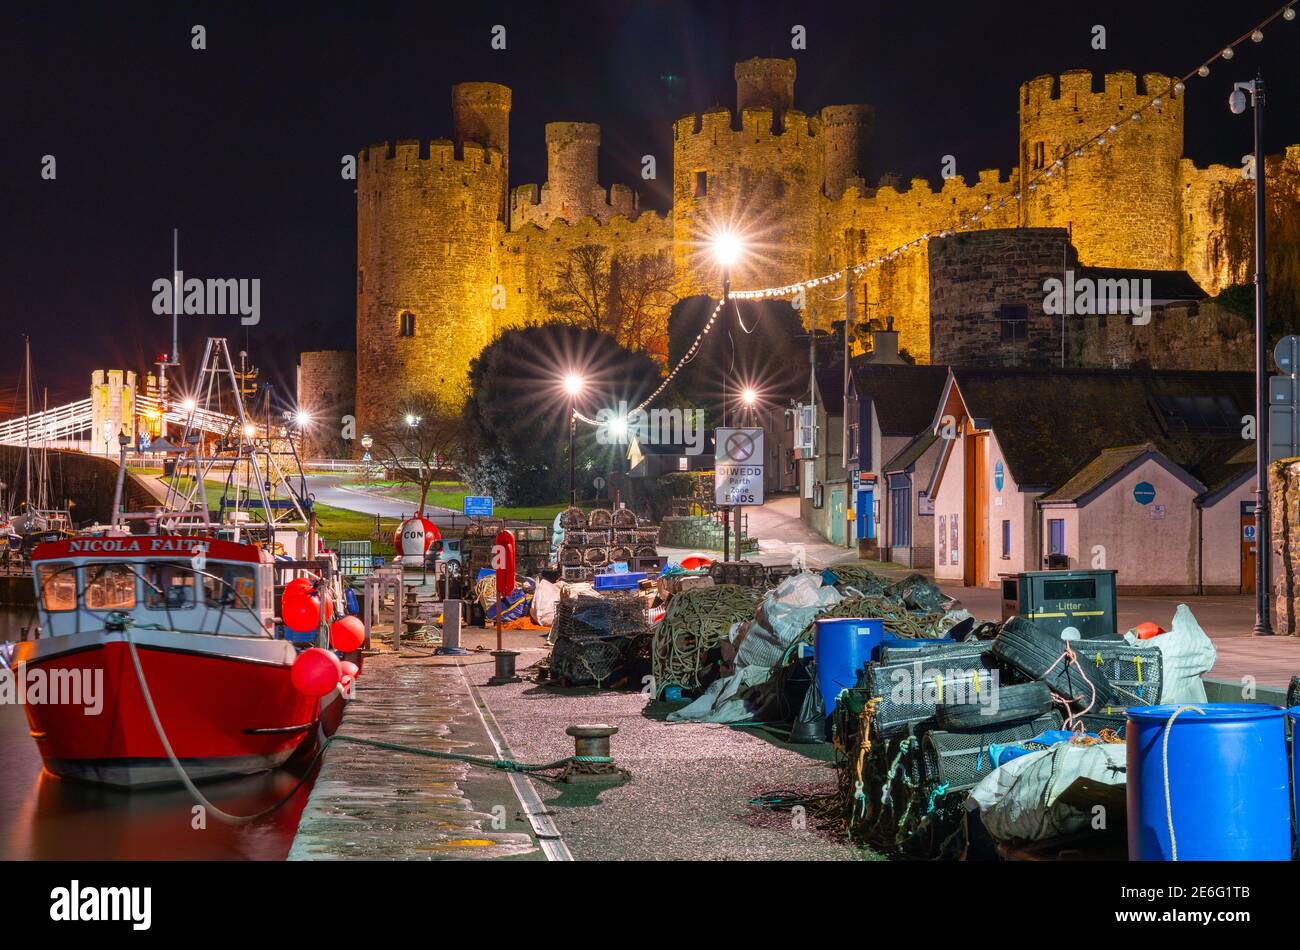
(1249, 547)
(839, 516)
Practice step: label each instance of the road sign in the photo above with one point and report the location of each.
(738, 467)
(1287, 354)
(478, 506)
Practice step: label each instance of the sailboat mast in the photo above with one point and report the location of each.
(27, 418)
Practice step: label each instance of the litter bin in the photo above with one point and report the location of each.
(1055, 600)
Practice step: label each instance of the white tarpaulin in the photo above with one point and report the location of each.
(1186, 654)
(780, 618)
(1018, 801)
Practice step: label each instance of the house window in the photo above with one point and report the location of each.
(701, 184)
(1014, 319)
(808, 479)
(406, 324)
(1006, 540)
(1056, 536)
(1040, 155)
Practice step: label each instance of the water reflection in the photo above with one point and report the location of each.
(47, 818)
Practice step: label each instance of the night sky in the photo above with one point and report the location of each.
(239, 145)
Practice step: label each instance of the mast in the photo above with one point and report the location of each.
(27, 418)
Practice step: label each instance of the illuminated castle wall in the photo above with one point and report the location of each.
(448, 254)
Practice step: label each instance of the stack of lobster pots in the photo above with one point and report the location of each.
(594, 541)
(532, 546)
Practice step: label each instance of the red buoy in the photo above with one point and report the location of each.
(300, 610)
(316, 672)
(503, 559)
(350, 668)
(347, 634)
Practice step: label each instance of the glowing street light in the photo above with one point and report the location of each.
(748, 396)
(303, 418)
(189, 405)
(573, 385)
(727, 248)
(412, 420)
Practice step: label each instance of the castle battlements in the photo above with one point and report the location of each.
(440, 152)
(1074, 91)
(717, 126)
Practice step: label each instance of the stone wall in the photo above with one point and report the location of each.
(1284, 524)
(88, 482)
(327, 392)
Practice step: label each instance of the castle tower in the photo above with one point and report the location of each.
(762, 181)
(765, 84)
(846, 143)
(1120, 201)
(327, 381)
(480, 112)
(572, 155)
(429, 230)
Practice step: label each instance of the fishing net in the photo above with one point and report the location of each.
(694, 623)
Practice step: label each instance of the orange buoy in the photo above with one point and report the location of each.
(347, 634)
(316, 672)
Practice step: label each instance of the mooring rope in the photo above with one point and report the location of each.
(506, 765)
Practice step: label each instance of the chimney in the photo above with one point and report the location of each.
(884, 344)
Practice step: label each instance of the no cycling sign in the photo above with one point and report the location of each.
(738, 467)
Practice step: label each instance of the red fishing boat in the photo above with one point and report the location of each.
(159, 653)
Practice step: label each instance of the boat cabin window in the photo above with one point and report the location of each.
(169, 586)
(110, 587)
(229, 585)
(58, 586)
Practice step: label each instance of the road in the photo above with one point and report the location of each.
(330, 490)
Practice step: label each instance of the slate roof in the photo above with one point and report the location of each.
(1165, 284)
(904, 395)
(1108, 464)
(1052, 424)
(912, 451)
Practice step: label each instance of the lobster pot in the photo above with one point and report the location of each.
(1137, 671)
(910, 689)
(1229, 793)
(623, 518)
(645, 550)
(573, 518)
(620, 554)
(600, 518)
(742, 573)
(624, 537)
(570, 557)
(596, 637)
(958, 760)
(595, 557)
(899, 654)
(647, 535)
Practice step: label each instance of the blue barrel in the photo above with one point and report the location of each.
(1229, 792)
(842, 646)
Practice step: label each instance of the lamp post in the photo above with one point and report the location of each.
(573, 384)
(726, 250)
(1242, 93)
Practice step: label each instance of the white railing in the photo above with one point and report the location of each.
(51, 425)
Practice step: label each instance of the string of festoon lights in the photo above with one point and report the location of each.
(966, 222)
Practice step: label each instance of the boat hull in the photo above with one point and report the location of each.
(226, 705)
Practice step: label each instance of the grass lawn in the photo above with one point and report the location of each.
(334, 524)
(452, 495)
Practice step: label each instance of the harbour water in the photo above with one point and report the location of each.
(43, 817)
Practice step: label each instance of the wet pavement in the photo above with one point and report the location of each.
(380, 804)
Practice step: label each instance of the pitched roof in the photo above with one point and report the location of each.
(904, 396)
(1052, 423)
(912, 451)
(1109, 464)
(830, 386)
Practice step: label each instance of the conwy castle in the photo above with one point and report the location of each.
(448, 254)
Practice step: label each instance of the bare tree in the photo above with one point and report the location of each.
(626, 296)
(581, 293)
(420, 439)
(643, 295)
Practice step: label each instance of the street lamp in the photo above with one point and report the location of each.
(1237, 102)
(573, 385)
(727, 248)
